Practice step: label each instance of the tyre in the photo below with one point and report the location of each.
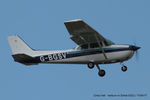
(101, 73)
(124, 68)
(91, 65)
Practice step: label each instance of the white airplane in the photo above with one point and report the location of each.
(92, 49)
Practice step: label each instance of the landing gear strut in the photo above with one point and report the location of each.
(101, 71)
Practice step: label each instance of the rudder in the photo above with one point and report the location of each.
(18, 46)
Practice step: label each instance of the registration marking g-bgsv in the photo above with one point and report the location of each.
(55, 56)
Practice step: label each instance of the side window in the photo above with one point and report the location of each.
(94, 45)
(106, 43)
(84, 46)
(101, 44)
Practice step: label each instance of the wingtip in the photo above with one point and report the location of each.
(75, 20)
(13, 36)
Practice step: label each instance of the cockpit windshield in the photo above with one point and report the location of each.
(82, 47)
(108, 42)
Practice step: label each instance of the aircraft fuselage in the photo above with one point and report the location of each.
(115, 53)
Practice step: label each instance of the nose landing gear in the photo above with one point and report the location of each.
(124, 68)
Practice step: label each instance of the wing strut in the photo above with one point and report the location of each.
(101, 47)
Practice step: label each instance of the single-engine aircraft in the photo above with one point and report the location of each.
(92, 49)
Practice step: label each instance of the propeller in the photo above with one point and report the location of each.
(136, 52)
(137, 55)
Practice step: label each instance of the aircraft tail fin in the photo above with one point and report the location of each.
(18, 46)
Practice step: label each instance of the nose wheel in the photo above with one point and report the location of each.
(124, 68)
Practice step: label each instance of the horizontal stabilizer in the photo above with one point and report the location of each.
(25, 59)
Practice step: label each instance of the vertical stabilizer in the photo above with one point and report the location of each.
(18, 46)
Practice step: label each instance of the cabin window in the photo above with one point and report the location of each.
(106, 43)
(94, 45)
(84, 46)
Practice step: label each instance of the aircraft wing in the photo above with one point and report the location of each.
(82, 33)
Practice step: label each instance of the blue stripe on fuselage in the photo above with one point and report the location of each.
(94, 51)
(71, 54)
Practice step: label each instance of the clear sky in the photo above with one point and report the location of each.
(40, 24)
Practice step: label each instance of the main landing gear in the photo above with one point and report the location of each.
(101, 71)
(91, 65)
